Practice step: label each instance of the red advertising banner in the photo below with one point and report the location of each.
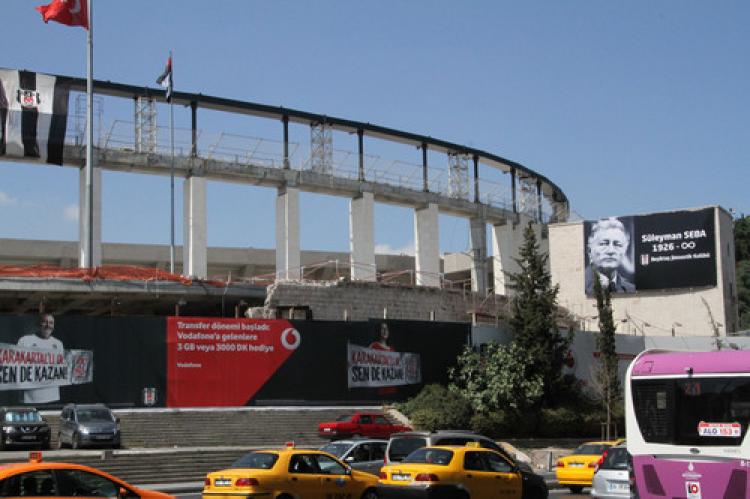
(214, 362)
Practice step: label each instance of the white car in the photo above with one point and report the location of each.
(611, 480)
(364, 454)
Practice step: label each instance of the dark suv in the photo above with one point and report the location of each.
(88, 425)
(23, 426)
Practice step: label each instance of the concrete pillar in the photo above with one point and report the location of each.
(427, 246)
(362, 237)
(507, 240)
(478, 238)
(96, 258)
(287, 234)
(194, 238)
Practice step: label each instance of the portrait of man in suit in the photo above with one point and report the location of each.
(609, 255)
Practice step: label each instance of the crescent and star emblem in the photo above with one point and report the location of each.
(76, 6)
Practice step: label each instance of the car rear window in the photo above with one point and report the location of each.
(257, 460)
(428, 455)
(399, 448)
(591, 449)
(617, 459)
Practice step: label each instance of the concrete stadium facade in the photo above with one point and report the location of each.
(531, 196)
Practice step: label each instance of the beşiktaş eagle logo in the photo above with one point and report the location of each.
(28, 98)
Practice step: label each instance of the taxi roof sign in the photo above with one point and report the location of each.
(35, 456)
(289, 445)
(472, 444)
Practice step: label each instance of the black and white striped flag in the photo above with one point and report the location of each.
(165, 79)
(33, 115)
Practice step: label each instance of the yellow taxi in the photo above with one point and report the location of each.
(457, 472)
(576, 470)
(290, 472)
(37, 478)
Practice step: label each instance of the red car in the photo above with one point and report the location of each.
(360, 424)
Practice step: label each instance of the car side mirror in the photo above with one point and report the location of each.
(117, 419)
(123, 492)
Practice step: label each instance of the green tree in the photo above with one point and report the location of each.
(534, 308)
(742, 239)
(742, 260)
(498, 379)
(606, 381)
(435, 407)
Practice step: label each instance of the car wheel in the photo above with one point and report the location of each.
(75, 442)
(576, 489)
(370, 494)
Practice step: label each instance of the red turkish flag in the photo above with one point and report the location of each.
(69, 12)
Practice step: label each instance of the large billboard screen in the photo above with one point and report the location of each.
(651, 252)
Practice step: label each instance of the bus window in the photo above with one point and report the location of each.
(695, 411)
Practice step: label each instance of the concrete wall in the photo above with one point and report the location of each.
(364, 300)
(583, 357)
(653, 313)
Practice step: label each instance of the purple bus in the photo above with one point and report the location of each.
(686, 418)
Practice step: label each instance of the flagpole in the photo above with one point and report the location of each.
(171, 169)
(88, 225)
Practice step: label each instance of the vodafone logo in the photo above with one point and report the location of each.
(290, 338)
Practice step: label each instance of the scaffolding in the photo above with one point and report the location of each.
(145, 125)
(458, 175)
(80, 119)
(321, 148)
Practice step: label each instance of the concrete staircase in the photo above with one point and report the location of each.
(219, 427)
(168, 446)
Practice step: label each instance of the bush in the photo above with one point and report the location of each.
(435, 408)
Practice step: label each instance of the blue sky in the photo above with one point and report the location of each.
(629, 107)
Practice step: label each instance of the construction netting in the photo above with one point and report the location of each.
(105, 272)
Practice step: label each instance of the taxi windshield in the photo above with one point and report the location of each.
(591, 449)
(22, 417)
(257, 460)
(427, 455)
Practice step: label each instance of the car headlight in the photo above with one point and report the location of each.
(84, 431)
(9, 429)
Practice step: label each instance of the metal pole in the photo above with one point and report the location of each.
(171, 171)
(88, 201)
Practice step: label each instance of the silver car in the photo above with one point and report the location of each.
(611, 480)
(87, 426)
(361, 454)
